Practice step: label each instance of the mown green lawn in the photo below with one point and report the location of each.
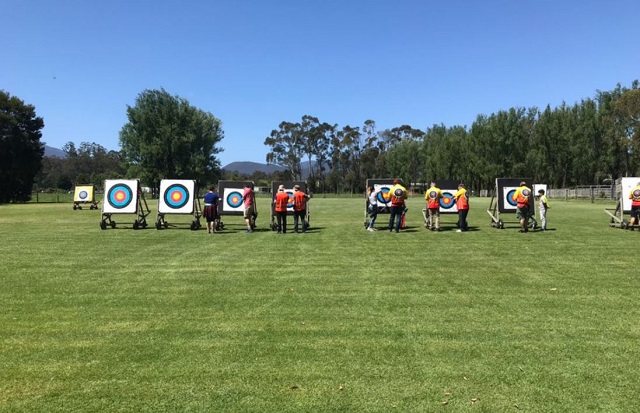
(335, 320)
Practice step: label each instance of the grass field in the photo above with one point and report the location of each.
(335, 320)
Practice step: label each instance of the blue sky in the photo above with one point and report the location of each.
(254, 64)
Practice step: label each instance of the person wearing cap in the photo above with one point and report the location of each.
(461, 198)
(300, 199)
(249, 201)
(280, 207)
(523, 207)
(543, 206)
(634, 196)
(397, 196)
(433, 197)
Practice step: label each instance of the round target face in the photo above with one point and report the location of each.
(234, 199)
(383, 195)
(120, 196)
(433, 194)
(636, 193)
(176, 196)
(510, 198)
(83, 195)
(447, 201)
(290, 202)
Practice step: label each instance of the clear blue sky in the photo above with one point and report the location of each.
(254, 64)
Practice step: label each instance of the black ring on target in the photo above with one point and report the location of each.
(381, 195)
(526, 193)
(509, 197)
(447, 201)
(433, 194)
(176, 196)
(234, 199)
(120, 196)
(83, 194)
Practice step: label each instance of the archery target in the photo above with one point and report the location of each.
(448, 187)
(176, 196)
(383, 193)
(447, 203)
(232, 200)
(627, 186)
(121, 196)
(83, 193)
(505, 193)
(291, 202)
(509, 197)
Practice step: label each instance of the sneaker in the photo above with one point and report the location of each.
(370, 229)
(458, 230)
(248, 231)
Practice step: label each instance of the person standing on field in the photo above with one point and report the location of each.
(523, 210)
(281, 201)
(372, 208)
(433, 197)
(300, 199)
(249, 201)
(461, 198)
(210, 211)
(397, 195)
(543, 206)
(634, 196)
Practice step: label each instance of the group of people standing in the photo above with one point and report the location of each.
(250, 212)
(433, 196)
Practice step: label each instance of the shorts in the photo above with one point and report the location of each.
(249, 212)
(522, 213)
(635, 211)
(210, 213)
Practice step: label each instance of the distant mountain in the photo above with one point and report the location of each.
(54, 152)
(248, 168)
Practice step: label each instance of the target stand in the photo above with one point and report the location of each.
(124, 196)
(623, 205)
(503, 202)
(83, 195)
(288, 188)
(447, 204)
(178, 197)
(231, 203)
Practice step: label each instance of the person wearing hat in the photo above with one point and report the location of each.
(280, 207)
(523, 207)
(461, 198)
(300, 199)
(397, 196)
(634, 196)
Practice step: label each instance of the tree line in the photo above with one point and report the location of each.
(590, 142)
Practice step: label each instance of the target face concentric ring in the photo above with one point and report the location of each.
(636, 193)
(83, 195)
(383, 195)
(290, 202)
(176, 196)
(120, 196)
(447, 202)
(234, 199)
(510, 198)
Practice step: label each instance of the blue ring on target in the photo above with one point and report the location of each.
(509, 197)
(381, 195)
(120, 196)
(176, 196)
(447, 201)
(234, 199)
(83, 194)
